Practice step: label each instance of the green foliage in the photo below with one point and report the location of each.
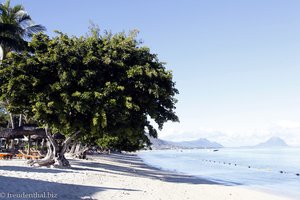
(103, 85)
(106, 141)
(16, 84)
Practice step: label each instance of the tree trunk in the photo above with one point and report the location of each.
(12, 121)
(2, 53)
(5, 104)
(55, 154)
(43, 145)
(79, 151)
(20, 120)
(72, 150)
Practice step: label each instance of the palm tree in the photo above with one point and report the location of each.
(16, 27)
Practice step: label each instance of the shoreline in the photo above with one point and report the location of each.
(223, 182)
(116, 176)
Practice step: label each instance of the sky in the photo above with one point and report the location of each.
(236, 63)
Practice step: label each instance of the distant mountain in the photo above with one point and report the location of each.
(200, 143)
(161, 144)
(273, 142)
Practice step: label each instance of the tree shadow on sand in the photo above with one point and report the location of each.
(61, 191)
(34, 170)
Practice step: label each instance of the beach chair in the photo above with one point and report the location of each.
(31, 157)
(19, 155)
(35, 152)
(6, 156)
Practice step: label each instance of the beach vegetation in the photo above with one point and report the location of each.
(97, 88)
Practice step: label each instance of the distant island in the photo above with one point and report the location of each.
(273, 142)
(201, 143)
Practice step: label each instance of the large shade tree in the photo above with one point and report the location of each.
(90, 88)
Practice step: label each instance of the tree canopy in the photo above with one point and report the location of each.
(101, 85)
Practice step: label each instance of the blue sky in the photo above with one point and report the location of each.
(236, 63)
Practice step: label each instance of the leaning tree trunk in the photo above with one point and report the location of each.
(11, 117)
(79, 151)
(72, 150)
(55, 153)
(12, 120)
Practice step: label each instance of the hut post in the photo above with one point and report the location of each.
(11, 144)
(7, 143)
(29, 144)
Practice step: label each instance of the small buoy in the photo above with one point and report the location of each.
(297, 174)
(281, 172)
(234, 164)
(249, 167)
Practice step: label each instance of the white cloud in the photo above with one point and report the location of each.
(288, 124)
(179, 133)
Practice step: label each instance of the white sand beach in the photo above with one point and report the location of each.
(112, 177)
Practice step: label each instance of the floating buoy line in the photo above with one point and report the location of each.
(234, 164)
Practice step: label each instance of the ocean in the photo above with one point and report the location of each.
(275, 171)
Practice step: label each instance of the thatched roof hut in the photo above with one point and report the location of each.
(26, 130)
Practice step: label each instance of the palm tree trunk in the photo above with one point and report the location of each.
(2, 53)
(20, 120)
(12, 120)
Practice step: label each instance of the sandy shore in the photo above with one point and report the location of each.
(112, 177)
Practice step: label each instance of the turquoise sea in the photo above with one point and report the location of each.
(271, 170)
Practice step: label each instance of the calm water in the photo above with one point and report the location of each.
(271, 170)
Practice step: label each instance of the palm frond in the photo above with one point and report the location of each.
(4, 12)
(7, 4)
(3, 9)
(22, 16)
(17, 8)
(30, 30)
